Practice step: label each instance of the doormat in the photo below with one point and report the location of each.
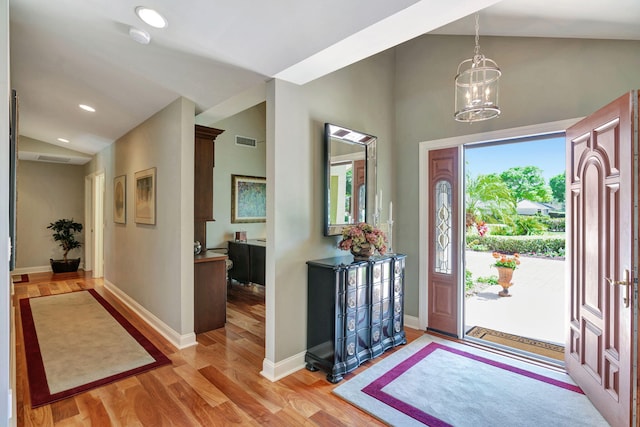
(20, 278)
(77, 341)
(438, 383)
(553, 351)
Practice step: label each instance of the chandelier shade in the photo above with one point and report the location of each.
(476, 82)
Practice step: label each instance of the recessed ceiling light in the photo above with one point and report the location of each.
(87, 108)
(141, 36)
(151, 17)
(63, 140)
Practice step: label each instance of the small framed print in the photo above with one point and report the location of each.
(120, 199)
(145, 208)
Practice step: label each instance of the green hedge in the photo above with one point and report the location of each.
(538, 245)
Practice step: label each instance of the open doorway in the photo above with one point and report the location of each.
(515, 245)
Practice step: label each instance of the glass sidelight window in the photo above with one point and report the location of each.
(443, 261)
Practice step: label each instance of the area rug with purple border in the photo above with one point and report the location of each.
(438, 383)
(77, 341)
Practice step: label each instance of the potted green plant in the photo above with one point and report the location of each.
(64, 233)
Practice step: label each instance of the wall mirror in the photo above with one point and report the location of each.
(350, 175)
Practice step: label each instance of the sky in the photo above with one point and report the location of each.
(547, 154)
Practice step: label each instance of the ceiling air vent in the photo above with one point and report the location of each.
(54, 159)
(246, 142)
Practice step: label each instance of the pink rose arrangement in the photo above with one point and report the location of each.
(356, 236)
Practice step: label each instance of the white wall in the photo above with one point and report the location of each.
(153, 264)
(358, 97)
(46, 193)
(544, 80)
(7, 378)
(232, 159)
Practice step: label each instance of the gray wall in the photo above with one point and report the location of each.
(46, 192)
(358, 97)
(544, 80)
(153, 264)
(232, 159)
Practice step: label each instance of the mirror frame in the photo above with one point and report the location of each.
(369, 143)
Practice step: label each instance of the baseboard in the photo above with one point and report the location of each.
(412, 321)
(28, 270)
(178, 340)
(37, 269)
(275, 371)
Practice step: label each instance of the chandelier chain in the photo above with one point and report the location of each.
(477, 49)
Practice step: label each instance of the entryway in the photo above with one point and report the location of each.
(514, 204)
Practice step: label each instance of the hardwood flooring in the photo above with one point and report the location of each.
(216, 383)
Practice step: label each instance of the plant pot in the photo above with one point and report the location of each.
(504, 279)
(366, 251)
(62, 266)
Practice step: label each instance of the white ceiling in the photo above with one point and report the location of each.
(67, 52)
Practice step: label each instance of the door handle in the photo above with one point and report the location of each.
(626, 283)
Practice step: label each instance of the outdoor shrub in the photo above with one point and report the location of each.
(491, 280)
(529, 225)
(531, 245)
(553, 224)
(468, 280)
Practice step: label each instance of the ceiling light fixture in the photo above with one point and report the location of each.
(63, 140)
(141, 36)
(151, 17)
(87, 108)
(477, 87)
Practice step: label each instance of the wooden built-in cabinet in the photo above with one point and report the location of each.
(204, 156)
(210, 291)
(355, 311)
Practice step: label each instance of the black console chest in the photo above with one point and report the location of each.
(355, 311)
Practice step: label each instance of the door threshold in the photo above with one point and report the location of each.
(509, 352)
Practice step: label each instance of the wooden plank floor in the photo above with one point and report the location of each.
(216, 383)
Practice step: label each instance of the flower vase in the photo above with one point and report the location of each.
(363, 253)
(504, 279)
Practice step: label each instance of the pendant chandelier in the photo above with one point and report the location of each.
(477, 87)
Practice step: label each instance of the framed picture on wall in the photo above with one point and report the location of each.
(248, 199)
(145, 209)
(120, 199)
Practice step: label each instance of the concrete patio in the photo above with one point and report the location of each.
(536, 308)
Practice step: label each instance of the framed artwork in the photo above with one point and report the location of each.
(145, 196)
(248, 199)
(120, 199)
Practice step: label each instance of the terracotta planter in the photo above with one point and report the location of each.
(504, 279)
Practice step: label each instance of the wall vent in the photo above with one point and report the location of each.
(53, 159)
(246, 141)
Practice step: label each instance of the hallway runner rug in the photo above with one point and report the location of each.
(441, 383)
(20, 278)
(77, 341)
(542, 348)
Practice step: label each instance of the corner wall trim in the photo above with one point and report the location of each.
(276, 371)
(178, 340)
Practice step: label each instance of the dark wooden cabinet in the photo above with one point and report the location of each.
(354, 311)
(248, 261)
(204, 161)
(210, 291)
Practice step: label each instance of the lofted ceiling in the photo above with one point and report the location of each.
(68, 52)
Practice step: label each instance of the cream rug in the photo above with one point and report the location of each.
(77, 341)
(441, 383)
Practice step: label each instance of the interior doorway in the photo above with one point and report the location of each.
(514, 245)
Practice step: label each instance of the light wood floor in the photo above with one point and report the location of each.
(216, 383)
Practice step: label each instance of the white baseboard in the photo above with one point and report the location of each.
(37, 269)
(412, 321)
(27, 270)
(178, 340)
(275, 371)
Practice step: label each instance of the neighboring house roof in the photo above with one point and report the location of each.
(524, 207)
